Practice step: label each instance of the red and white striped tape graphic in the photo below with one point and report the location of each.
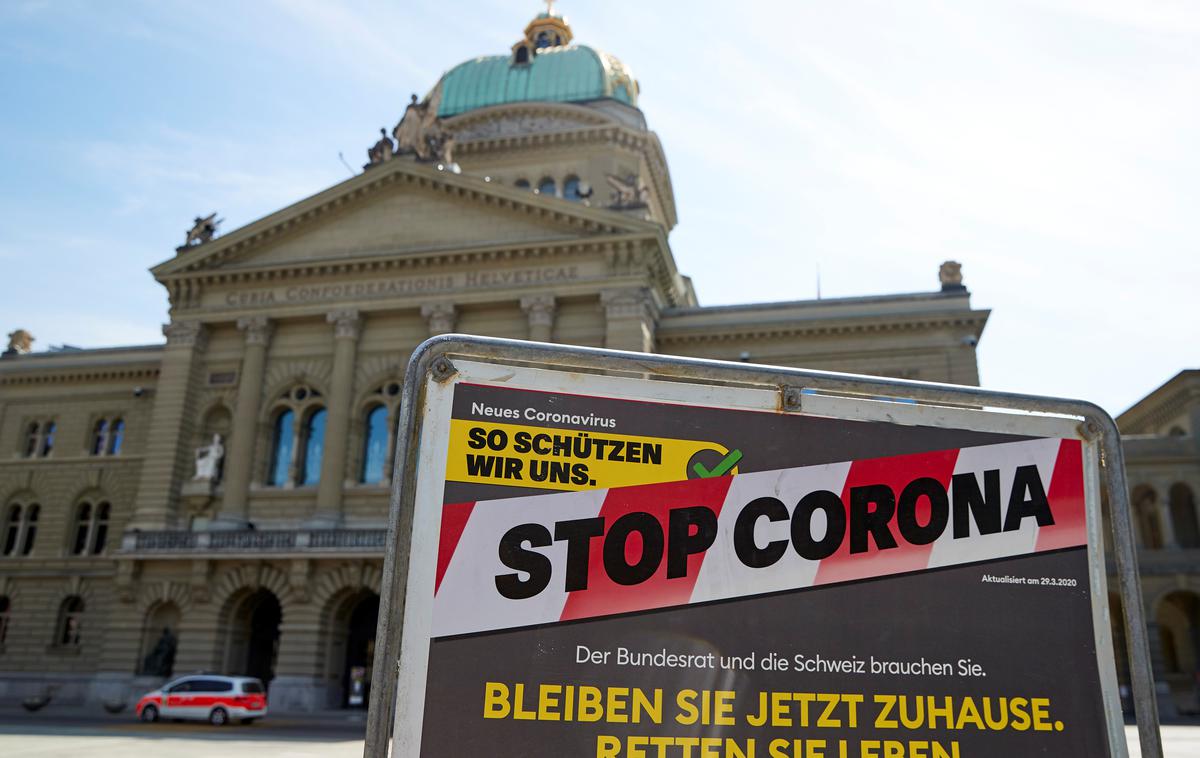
(467, 599)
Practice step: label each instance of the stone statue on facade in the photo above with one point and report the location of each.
(420, 131)
(161, 660)
(203, 230)
(20, 342)
(628, 191)
(950, 275)
(208, 460)
(382, 151)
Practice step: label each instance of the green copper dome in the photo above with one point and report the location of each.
(552, 74)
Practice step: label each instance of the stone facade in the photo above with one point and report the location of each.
(284, 338)
(1162, 456)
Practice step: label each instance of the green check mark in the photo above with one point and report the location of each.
(722, 468)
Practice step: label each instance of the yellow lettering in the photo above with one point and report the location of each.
(495, 700)
(607, 747)
(519, 711)
(548, 701)
(882, 721)
(589, 704)
(687, 707)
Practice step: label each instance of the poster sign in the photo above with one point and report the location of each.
(627, 568)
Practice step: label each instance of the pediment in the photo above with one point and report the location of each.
(400, 207)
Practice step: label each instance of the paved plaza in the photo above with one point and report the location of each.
(329, 735)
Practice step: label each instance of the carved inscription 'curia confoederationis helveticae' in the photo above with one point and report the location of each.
(400, 287)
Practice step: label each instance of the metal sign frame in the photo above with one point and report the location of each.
(796, 391)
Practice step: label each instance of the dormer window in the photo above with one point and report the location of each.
(521, 54)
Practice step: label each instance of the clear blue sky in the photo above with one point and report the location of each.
(1050, 146)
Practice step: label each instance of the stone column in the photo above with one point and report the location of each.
(630, 315)
(239, 460)
(346, 325)
(540, 311)
(168, 456)
(440, 316)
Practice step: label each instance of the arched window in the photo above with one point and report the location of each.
(521, 184)
(1182, 506)
(282, 444)
(39, 439)
(375, 443)
(297, 438)
(91, 529)
(522, 55)
(107, 436)
(571, 189)
(20, 528)
(547, 187)
(70, 622)
(5, 605)
(314, 446)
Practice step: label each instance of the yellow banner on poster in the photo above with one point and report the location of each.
(566, 459)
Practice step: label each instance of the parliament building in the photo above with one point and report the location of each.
(219, 502)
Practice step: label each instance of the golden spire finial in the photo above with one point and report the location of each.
(550, 7)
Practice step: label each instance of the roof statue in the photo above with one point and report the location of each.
(20, 342)
(382, 151)
(628, 192)
(420, 131)
(203, 230)
(950, 275)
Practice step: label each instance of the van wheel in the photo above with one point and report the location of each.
(149, 713)
(218, 717)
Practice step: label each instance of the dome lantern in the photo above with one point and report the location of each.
(548, 29)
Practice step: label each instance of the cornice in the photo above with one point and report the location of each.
(387, 261)
(49, 374)
(820, 327)
(1162, 411)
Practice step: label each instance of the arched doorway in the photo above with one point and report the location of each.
(1178, 619)
(351, 651)
(253, 636)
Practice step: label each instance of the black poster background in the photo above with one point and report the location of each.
(1031, 641)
